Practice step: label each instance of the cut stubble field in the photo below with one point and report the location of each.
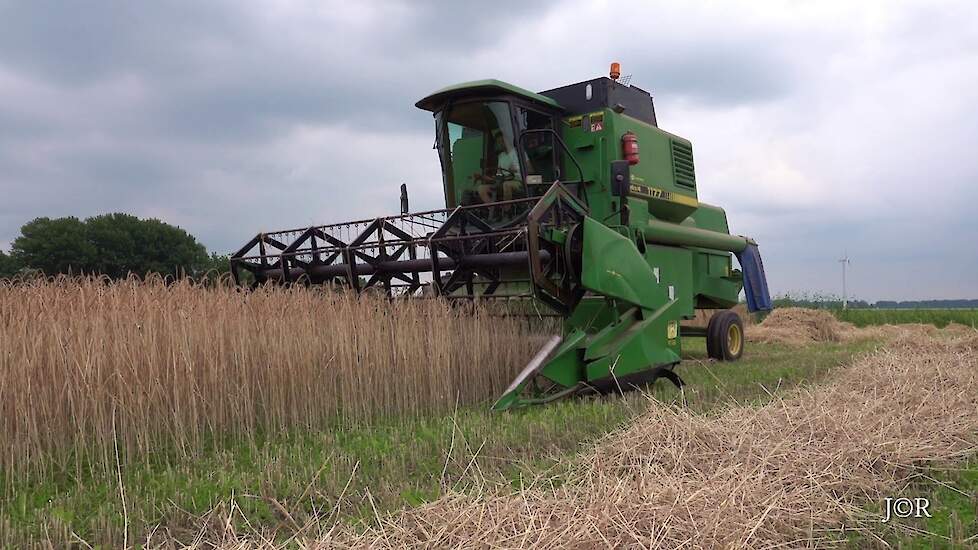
(147, 414)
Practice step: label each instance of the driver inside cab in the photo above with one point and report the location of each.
(504, 176)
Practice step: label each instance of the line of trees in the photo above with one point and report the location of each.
(114, 245)
(927, 304)
(821, 301)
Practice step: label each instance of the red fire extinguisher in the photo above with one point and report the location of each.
(629, 148)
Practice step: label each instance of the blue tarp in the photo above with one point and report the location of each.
(755, 282)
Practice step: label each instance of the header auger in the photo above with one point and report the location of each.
(572, 198)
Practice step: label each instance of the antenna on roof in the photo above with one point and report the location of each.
(625, 80)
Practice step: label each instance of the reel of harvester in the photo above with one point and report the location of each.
(519, 249)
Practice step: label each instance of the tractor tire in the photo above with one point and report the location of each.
(711, 341)
(725, 336)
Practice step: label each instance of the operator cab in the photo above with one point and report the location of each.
(495, 142)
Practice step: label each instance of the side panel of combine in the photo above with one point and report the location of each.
(661, 188)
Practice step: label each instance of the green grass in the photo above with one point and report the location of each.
(953, 496)
(356, 472)
(938, 317)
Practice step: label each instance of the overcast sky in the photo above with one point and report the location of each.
(820, 128)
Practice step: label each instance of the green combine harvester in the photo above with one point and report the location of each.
(570, 200)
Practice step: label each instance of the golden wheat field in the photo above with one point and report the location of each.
(92, 370)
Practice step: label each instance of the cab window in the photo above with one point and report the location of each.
(479, 153)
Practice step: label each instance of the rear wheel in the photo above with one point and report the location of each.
(725, 336)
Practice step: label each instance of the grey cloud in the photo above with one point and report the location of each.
(455, 29)
(79, 42)
(222, 73)
(723, 74)
(195, 113)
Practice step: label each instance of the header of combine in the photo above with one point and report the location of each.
(572, 197)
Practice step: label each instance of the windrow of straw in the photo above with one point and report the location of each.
(802, 326)
(91, 368)
(787, 474)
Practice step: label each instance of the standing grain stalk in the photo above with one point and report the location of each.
(181, 364)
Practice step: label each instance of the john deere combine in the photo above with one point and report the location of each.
(572, 199)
